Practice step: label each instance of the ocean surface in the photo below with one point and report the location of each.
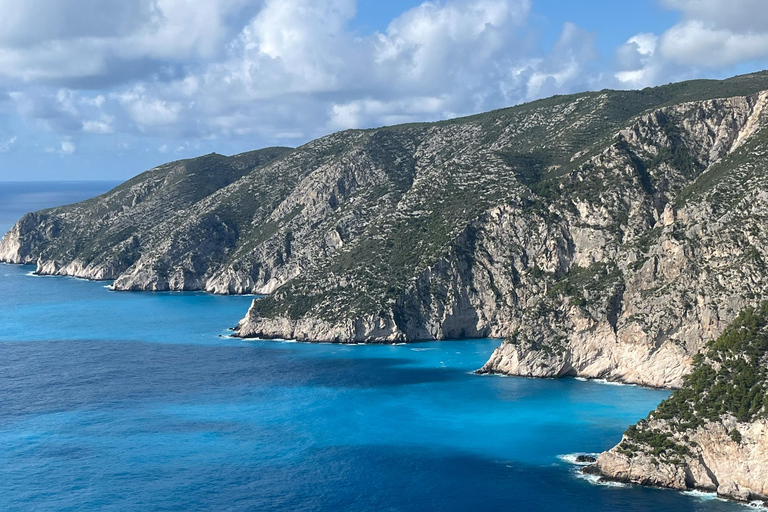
(140, 402)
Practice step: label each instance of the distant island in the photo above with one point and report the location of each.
(612, 235)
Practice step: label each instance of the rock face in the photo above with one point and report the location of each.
(620, 268)
(712, 434)
(716, 463)
(141, 224)
(607, 234)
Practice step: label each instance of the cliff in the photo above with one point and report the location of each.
(605, 234)
(712, 434)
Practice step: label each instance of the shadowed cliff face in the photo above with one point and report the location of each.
(606, 234)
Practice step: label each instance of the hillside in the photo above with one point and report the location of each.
(605, 234)
(103, 237)
(713, 433)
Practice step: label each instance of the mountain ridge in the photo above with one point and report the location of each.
(330, 225)
(608, 234)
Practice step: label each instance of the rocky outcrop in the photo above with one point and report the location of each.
(715, 462)
(606, 277)
(370, 329)
(606, 234)
(110, 236)
(712, 434)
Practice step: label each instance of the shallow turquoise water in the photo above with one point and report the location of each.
(139, 402)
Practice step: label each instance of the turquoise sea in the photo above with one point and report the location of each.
(140, 402)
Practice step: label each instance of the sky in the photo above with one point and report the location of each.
(103, 90)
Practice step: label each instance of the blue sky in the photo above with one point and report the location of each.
(104, 90)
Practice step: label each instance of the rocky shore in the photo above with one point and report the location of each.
(712, 434)
(607, 235)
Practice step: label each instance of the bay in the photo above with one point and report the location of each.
(141, 402)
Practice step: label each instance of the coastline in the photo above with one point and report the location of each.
(591, 471)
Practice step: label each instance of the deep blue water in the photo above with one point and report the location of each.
(139, 402)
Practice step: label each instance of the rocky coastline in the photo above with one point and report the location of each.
(711, 434)
(606, 235)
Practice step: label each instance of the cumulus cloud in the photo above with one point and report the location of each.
(635, 60)
(284, 71)
(277, 69)
(736, 15)
(564, 68)
(147, 111)
(431, 41)
(698, 43)
(63, 111)
(64, 40)
(297, 64)
(712, 35)
(102, 126)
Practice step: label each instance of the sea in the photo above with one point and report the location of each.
(115, 401)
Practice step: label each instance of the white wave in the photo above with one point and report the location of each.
(596, 480)
(275, 340)
(417, 349)
(611, 383)
(758, 505)
(604, 381)
(570, 458)
(702, 495)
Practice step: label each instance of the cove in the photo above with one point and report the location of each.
(139, 401)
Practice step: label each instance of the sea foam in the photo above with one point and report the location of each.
(570, 458)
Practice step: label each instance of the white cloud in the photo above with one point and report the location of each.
(59, 40)
(432, 42)
(288, 67)
(565, 67)
(712, 34)
(66, 147)
(277, 70)
(695, 43)
(5, 145)
(65, 111)
(305, 41)
(102, 126)
(147, 111)
(433, 61)
(289, 135)
(367, 112)
(635, 61)
(645, 43)
(295, 64)
(737, 15)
